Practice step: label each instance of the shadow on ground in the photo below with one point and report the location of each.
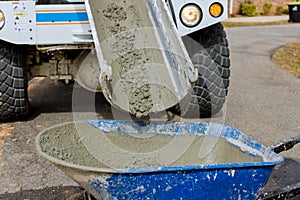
(287, 173)
(47, 96)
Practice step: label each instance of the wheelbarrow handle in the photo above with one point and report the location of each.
(285, 144)
(287, 192)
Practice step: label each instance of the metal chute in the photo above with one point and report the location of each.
(144, 65)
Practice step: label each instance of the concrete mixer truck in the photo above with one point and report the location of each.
(144, 55)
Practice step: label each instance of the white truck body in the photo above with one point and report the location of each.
(32, 24)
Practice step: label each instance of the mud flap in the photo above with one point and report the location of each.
(144, 65)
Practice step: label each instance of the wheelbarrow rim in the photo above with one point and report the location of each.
(276, 159)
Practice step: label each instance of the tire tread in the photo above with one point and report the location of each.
(212, 61)
(13, 87)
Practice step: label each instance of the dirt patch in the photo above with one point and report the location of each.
(288, 58)
(242, 24)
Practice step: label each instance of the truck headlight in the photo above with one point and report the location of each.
(190, 15)
(216, 10)
(2, 19)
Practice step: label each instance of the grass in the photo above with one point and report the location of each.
(240, 24)
(288, 58)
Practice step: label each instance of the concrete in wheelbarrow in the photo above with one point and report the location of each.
(263, 102)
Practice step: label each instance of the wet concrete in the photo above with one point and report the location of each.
(83, 145)
(141, 58)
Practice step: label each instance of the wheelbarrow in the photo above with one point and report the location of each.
(182, 160)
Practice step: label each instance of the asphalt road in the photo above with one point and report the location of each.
(263, 102)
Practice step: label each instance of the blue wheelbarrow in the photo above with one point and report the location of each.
(182, 160)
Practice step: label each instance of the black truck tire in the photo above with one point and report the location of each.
(13, 86)
(209, 52)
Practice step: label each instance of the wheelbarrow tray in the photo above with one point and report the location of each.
(239, 180)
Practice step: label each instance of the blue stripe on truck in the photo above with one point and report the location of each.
(61, 17)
